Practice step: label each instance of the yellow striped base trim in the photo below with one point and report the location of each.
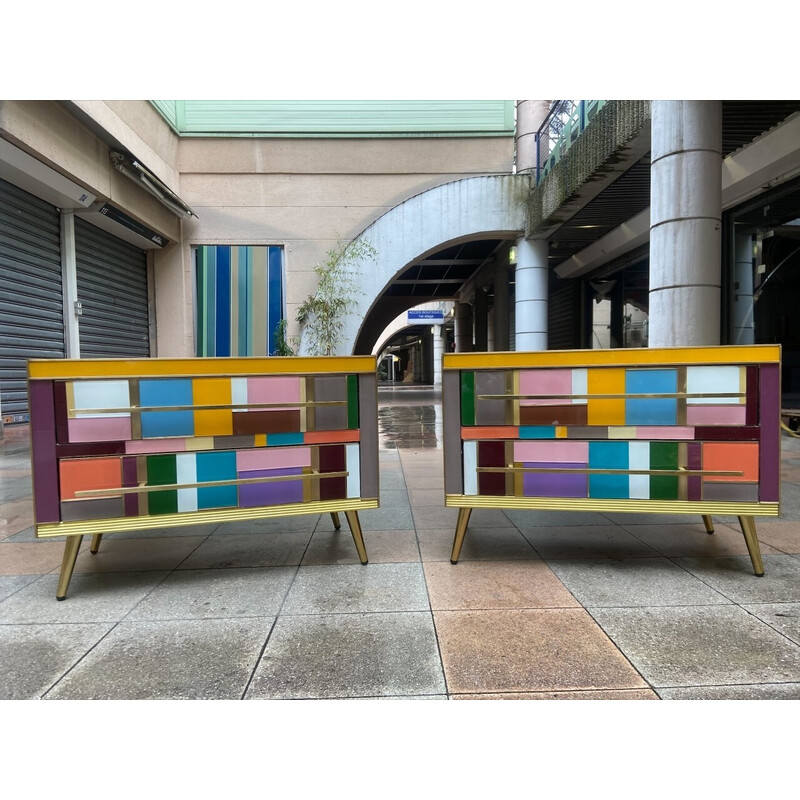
(220, 515)
(707, 507)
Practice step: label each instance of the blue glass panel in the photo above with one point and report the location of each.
(608, 455)
(646, 410)
(223, 333)
(278, 439)
(537, 432)
(274, 295)
(216, 467)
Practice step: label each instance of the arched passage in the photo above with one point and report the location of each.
(461, 211)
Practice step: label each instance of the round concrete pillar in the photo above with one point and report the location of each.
(685, 222)
(531, 295)
(530, 115)
(438, 349)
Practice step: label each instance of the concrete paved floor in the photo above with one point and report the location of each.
(540, 606)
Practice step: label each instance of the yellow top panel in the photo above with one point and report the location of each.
(54, 369)
(631, 357)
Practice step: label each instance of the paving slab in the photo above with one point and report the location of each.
(336, 547)
(169, 660)
(487, 652)
(532, 518)
(357, 588)
(136, 555)
(784, 617)
(34, 657)
(225, 550)
(700, 646)
(617, 694)
(768, 691)
(350, 655)
(676, 541)
(298, 523)
(633, 582)
(98, 597)
(733, 576)
(384, 519)
(495, 584)
(13, 583)
(210, 593)
(595, 541)
(480, 544)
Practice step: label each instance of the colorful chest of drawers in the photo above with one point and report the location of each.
(663, 430)
(121, 445)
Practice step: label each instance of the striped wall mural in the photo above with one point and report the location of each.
(239, 299)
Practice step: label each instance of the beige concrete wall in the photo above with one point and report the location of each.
(302, 194)
(50, 133)
(307, 194)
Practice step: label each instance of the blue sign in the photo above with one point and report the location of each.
(430, 317)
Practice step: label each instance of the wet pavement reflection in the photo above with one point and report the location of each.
(409, 418)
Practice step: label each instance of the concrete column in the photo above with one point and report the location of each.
(530, 115)
(174, 295)
(463, 328)
(531, 294)
(438, 350)
(742, 327)
(500, 326)
(685, 222)
(69, 286)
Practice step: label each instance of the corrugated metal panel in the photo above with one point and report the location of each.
(168, 110)
(31, 309)
(112, 288)
(340, 117)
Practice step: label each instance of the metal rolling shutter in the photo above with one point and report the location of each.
(31, 309)
(112, 289)
(564, 315)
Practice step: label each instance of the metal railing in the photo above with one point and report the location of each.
(561, 127)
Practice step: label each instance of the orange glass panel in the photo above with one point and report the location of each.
(84, 474)
(739, 457)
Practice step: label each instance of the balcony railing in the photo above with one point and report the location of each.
(559, 131)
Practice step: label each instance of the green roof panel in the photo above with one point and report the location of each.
(326, 118)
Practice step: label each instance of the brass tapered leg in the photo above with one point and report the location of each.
(71, 548)
(461, 530)
(709, 523)
(358, 538)
(335, 517)
(749, 530)
(95, 543)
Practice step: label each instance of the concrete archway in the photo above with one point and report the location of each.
(492, 206)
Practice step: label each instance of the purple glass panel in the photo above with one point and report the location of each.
(751, 417)
(555, 484)
(130, 478)
(90, 449)
(720, 433)
(770, 413)
(61, 412)
(41, 403)
(694, 460)
(270, 494)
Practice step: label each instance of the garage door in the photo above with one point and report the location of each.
(31, 308)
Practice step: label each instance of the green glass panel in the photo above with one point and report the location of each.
(352, 402)
(161, 471)
(663, 455)
(467, 398)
